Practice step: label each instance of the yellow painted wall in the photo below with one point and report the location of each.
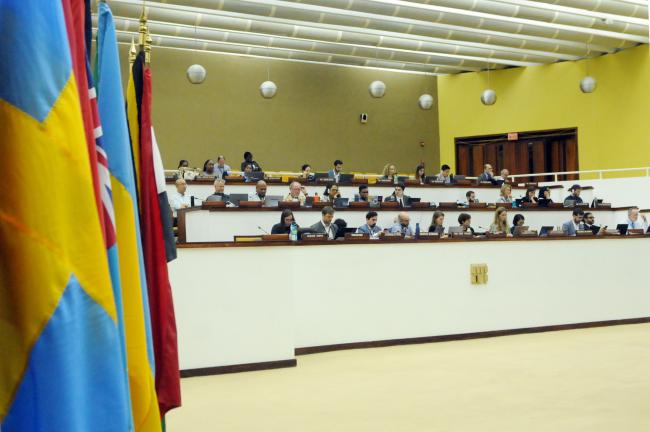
(314, 118)
(613, 122)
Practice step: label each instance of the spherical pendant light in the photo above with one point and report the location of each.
(588, 84)
(488, 97)
(196, 74)
(268, 89)
(425, 101)
(377, 89)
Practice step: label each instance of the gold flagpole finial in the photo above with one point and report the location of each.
(147, 48)
(132, 53)
(143, 28)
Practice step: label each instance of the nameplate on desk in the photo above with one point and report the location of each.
(421, 204)
(208, 205)
(325, 180)
(557, 234)
(497, 235)
(504, 205)
(635, 231)
(477, 205)
(389, 204)
(584, 233)
(463, 182)
(234, 178)
(448, 205)
(412, 182)
(464, 234)
(359, 204)
(428, 236)
(320, 204)
(313, 237)
(359, 181)
(391, 237)
(604, 205)
(273, 180)
(555, 205)
(384, 182)
(247, 239)
(275, 237)
(356, 236)
(529, 205)
(289, 204)
(486, 183)
(582, 205)
(250, 204)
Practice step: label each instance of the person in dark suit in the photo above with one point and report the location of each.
(335, 172)
(575, 224)
(544, 197)
(589, 222)
(325, 225)
(399, 196)
(219, 195)
(530, 196)
(574, 198)
(487, 175)
(363, 194)
(248, 159)
(286, 220)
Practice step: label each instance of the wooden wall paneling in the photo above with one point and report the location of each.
(539, 159)
(463, 160)
(571, 157)
(478, 159)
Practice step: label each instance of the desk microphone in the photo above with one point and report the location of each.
(192, 198)
(263, 230)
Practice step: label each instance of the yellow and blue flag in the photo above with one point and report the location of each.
(62, 368)
(128, 246)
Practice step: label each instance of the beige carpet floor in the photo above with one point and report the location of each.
(579, 380)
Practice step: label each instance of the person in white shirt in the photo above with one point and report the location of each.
(260, 192)
(506, 194)
(179, 199)
(445, 174)
(403, 225)
(221, 170)
(635, 220)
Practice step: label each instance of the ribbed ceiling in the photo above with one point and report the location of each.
(417, 36)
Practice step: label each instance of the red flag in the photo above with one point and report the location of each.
(161, 306)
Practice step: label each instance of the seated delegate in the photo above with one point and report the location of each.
(325, 225)
(574, 198)
(403, 225)
(219, 192)
(544, 197)
(336, 171)
(297, 193)
(465, 223)
(363, 194)
(208, 168)
(636, 220)
(530, 196)
(180, 199)
(370, 227)
(389, 173)
(575, 224)
(331, 193)
(305, 173)
(248, 159)
(517, 221)
(420, 176)
(222, 170)
(487, 174)
(437, 223)
(399, 197)
(445, 175)
(589, 222)
(284, 226)
(260, 192)
(500, 223)
(505, 196)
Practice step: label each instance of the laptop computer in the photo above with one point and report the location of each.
(235, 198)
(402, 179)
(622, 228)
(272, 200)
(458, 177)
(341, 202)
(545, 230)
(520, 229)
(543, 202)
(456, 230)
(346, 178)
(256, 176)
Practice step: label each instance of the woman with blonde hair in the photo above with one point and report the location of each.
(389, 173)
(500, 224)
(506, 194)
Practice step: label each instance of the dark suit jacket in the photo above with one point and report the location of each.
(215, 197)
(318, 227)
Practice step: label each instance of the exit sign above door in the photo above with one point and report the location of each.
(513, 136)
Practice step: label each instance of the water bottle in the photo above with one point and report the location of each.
(316, 197)
(293, 235)
(417, 230)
